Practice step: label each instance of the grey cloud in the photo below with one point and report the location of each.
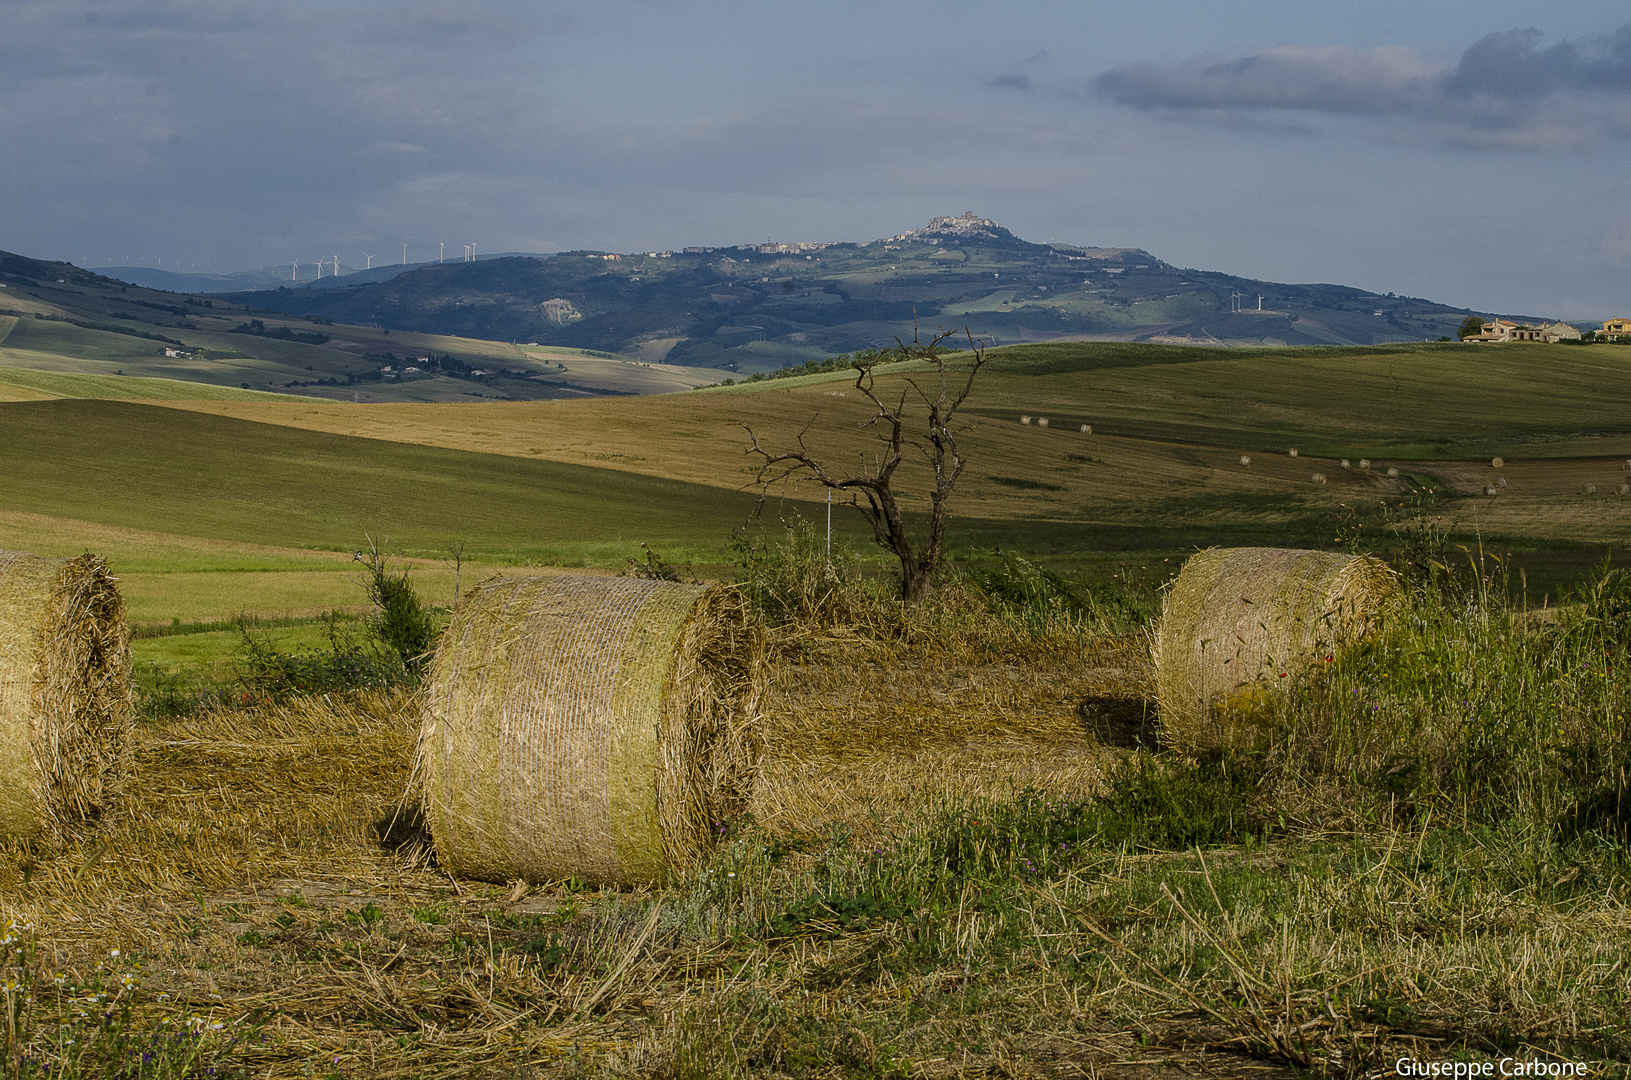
(1505, 91)
(1011, 82)
(271, 129)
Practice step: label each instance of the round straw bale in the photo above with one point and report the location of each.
(1025, 420)
(1087, 429)
(1490, 489)
(1319, 478)
(1364, 463)
(1241, 624)
(1497, 462)
(1245, 459)
(1345, 463)
(1292, 452)
(1392, 471)
(65, 710)
(1042, 421)
(1590, 489)
(597, 728)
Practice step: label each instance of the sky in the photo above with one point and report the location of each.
(1472, 153)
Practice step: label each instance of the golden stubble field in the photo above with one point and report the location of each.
(1015, 470)
(264, 876)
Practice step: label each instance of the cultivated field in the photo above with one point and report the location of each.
(968, 854)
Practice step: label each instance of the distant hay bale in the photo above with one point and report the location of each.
(1026, 420)
(1344, 463)
(1625, 489)
(1393, 472)
(1500, 481)
(1087, 429)
(1042, 421)
(597, 728)
(1490, 489)
(1245, 459)
(1497, 462)
(65, 710)
(1364, 463)
(1319, 478)
(1292, 452)
(1242, 624)
(1591, 489)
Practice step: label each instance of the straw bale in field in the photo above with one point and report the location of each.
(1393, 472)
(1345, 463)
(1319, 478)
(1087, 429)
(65, 711)
(598, 728)
(1364, 463)
(1025, 420)
(1497, 462)
(1241, 625)
(1042, 421)
(1292, 452)
(1590, 489)
(1245, 459)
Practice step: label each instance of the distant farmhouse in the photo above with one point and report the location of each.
(1614, 329)
(1498, 330)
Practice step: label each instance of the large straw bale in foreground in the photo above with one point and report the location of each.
(596, 728)
(65, 712)
(1237, 618)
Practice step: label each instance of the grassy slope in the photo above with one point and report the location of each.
(145, 467)
(31, 384)
(1170, 424)
(1417, 401)
(269, 363)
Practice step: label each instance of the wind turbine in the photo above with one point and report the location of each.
(294, 271)
(441, 249)
(404, 254)
(472, 253)
(1259, 301)
(319, 269)
(370, 259)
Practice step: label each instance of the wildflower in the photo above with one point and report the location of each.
(128, 981)
(114, 953)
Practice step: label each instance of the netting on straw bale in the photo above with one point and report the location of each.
(597, 728)
(65, 709)
(1240, 624)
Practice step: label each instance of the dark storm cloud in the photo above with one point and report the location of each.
(1507, 90)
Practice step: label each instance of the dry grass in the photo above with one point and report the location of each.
(248, 883)
(862, 735)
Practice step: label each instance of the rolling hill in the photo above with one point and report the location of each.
(57, 318)
(750, 309)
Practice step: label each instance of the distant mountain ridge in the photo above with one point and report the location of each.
(305, 275)
(763, 306)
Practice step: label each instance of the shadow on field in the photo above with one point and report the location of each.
(1128, 723)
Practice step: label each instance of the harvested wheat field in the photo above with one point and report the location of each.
(270, 893)
(922, 887)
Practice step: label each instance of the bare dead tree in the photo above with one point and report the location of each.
(873, 480)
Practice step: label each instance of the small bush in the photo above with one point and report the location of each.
(400, 622)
